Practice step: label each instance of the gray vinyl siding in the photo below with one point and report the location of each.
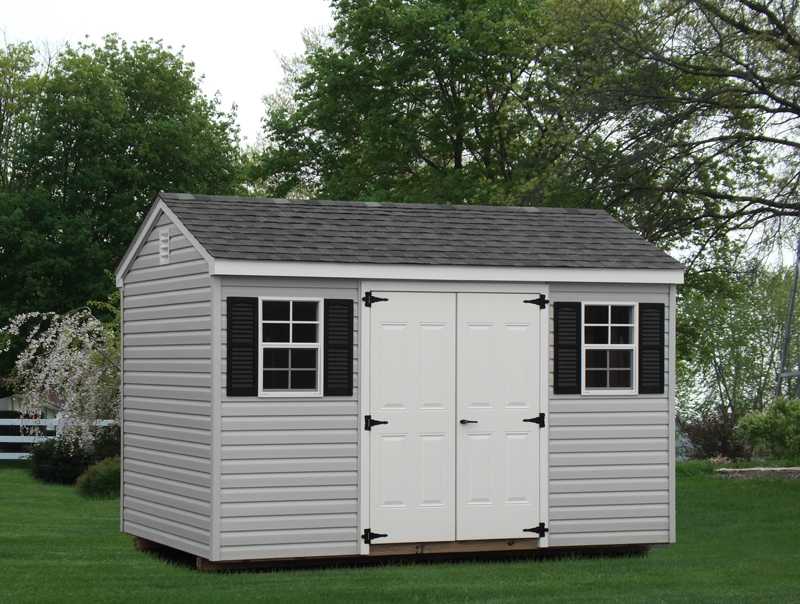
(167, 402)
(611, 472)
(289, 466)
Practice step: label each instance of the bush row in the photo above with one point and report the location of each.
(95, 469)
(772, 433)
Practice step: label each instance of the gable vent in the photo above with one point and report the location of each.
(163, 246)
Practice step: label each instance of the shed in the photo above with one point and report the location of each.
(322, 378)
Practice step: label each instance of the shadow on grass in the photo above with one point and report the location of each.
(182, 559)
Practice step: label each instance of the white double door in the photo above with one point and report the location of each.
(455, 376)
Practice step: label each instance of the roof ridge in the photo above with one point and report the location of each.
(190, 197)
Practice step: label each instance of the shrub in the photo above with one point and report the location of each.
(101, 479)
(62, 461)
(106, 443)
(713, 436)
(55, 461)
(774, 432)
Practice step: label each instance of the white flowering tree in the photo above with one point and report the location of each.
(69, 363)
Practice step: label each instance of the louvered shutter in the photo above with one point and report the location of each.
(567, 340)
(338, 346)
(651, 348)
(242, 341)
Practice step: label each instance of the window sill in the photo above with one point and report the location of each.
(608, 393)
(291, 394)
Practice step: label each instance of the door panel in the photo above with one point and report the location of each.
(499, 375)
(412, 386)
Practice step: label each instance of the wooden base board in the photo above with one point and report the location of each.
(379, 552)
(453, 547)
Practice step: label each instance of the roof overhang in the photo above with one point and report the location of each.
(422, 272)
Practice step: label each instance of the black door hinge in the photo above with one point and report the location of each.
(369, 422)
(368, 536)
(369, 299)
(539, 530)
(539, 419)
(541, 301)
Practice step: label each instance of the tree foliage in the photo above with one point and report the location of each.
(709, 92)
(20, 85)
(423, 101)
(91, 139)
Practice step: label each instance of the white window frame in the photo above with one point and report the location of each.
(633, 347)
(318, 346)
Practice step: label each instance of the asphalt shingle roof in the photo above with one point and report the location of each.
(241, 228)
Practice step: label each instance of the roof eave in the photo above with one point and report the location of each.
(419, 272)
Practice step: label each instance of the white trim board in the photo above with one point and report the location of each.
(424, 272)
(364, 409)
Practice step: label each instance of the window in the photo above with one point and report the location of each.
(609, 347)
(290, 347)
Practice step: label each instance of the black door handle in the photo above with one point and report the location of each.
(467, 421)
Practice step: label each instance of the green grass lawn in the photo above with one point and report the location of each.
(738, 541)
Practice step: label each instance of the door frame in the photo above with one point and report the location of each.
(450, 287)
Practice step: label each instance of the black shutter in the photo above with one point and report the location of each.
(242, 347)
(567, 339)
(651, 348)
(338, 342)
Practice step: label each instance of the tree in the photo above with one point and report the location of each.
(69, 363)
(678, 116)
(422, 101)
(114, 123)
(730, 328)
(708, 89)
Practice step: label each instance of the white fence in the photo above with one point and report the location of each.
(48, 425)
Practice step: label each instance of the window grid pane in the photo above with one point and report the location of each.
(275, 310)
(304, 380)
(621, 315)
(276, 358)
(596, 314)
(596, 379)
(276, 380)
(304, 332)
(621, 335)
(620, 379)
(305, 311)
(596, 334)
